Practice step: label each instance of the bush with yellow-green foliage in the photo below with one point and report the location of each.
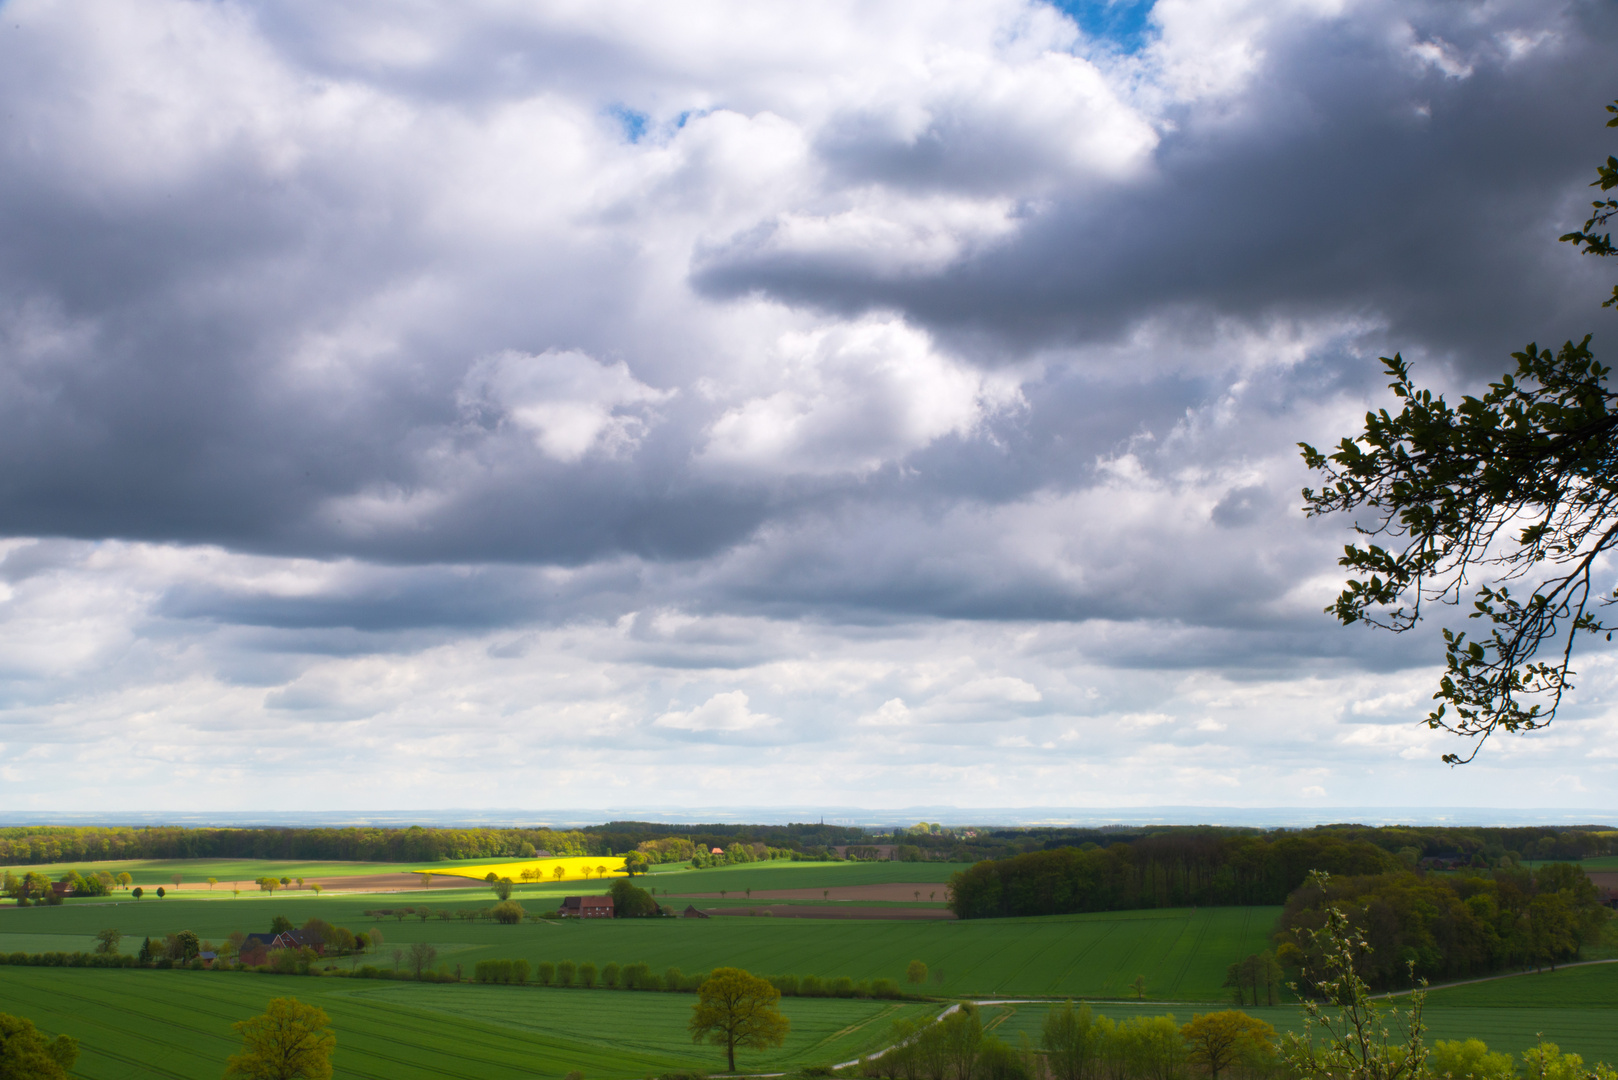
(1469, 1060)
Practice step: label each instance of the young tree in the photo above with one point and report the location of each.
(501, 887)
(422, 956)
(916, 972)
(107, 941)
(735, 1008)
(558, 872)
(1139, 986)
(290, 1041)
(177, 879)
(1358, 1043)
(1071, 1042)
(1222, 1039)
(25, 1054)
(212, 882)
(1518, 485)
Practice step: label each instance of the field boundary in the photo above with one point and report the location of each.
(1492, 978)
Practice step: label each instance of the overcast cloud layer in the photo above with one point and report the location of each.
(560, 405)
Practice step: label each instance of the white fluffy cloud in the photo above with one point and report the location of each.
(878, 403)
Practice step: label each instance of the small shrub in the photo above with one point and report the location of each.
(519, 972)
(545, 973)
(587, 975)
(609, 976)
(811, 986)
(673, 980)
(886, 988)
(842, 987)
(787, 984)
(507, 912)
(565, 972)
(636, 976)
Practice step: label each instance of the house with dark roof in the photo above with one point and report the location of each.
(691, 912)
(286, 939)
(587, 907)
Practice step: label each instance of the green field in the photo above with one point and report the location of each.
(177, 1024)
(1182, 952)
(153, 872)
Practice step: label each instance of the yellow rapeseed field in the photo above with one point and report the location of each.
(544, 871)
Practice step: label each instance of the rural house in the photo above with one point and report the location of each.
(587, 907)
(691, 912)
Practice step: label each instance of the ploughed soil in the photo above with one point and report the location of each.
(840, 911)
(1605, 879)
(350, 883)
(900, 892)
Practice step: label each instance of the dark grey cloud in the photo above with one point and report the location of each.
(266, 332)
(1347, 177)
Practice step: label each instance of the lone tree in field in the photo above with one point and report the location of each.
(1513, 490)
(916, 972)
(25, 1054)
(558, 872)
(735, 1008)
(291, 1041)
(212, 882)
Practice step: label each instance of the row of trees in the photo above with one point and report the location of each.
(1438, 927)
(664, 843)
(1076, 1044)
(1159, 872)
(51, 844)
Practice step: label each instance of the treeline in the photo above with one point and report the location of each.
(51, 844)
(1470, 846)
(1480, 847)
(1448, 926)
(1170, 870)
(1075, 1044)
(809, 838)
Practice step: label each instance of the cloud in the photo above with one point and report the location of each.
(508, 384)
(722, 712)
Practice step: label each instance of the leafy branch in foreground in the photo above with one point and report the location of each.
(1519, 486)
(1358, 1043)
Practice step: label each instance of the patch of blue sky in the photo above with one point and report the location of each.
(1121, 24)
(631, 122)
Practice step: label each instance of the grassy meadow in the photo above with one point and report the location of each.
(1182, 952)
(177, 1024)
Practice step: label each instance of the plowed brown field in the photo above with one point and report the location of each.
(903, 892)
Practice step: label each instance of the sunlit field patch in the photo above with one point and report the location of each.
(540, 871)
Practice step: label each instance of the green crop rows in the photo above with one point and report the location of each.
(1181, 952)
(177, 1024)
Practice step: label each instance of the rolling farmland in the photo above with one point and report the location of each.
(1182, 952)
(177, 1025)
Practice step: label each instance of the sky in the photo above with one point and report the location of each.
(572, 405)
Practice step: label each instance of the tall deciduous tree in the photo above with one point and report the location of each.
(291, 1041)
(1510, 493)
(735, 1008)
(1220, 1040)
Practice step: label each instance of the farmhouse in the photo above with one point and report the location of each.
(691, 912)
(587, 907)
(286, 939)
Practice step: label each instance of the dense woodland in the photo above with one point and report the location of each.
(1187, 855)
(51, 844)
(1448, 926)
(1170, 870)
